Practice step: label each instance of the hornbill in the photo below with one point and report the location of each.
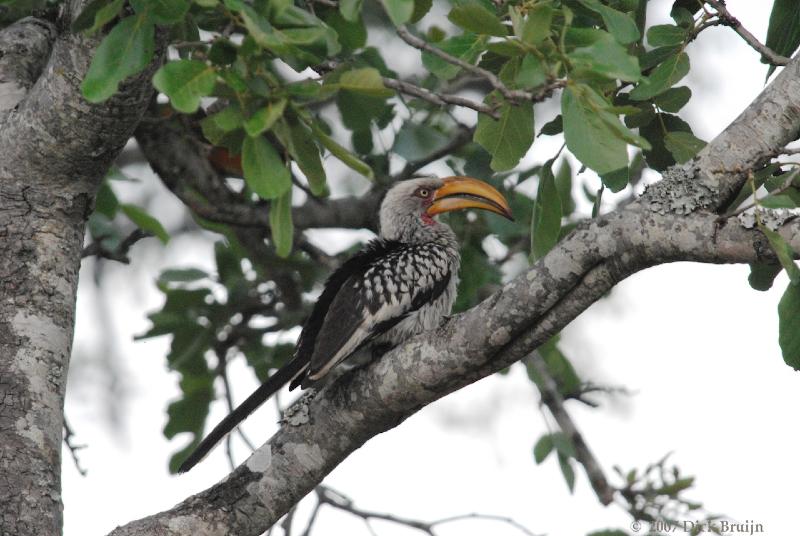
(399, 285)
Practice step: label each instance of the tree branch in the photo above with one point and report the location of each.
(675, 220)
(439, 99)
(510, 94)
(727, 19)
(326, 495)
(55, 148)
(24, 50)
(552, 398)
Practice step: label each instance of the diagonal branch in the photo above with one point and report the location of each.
(675, 220)
(727, 19)
(552, 398)
(439, 99)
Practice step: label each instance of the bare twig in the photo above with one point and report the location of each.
(551, 397)
(493, 79)
(73, 448)
(440, 99)
(326, 495)
(120, 254)
(727, 19)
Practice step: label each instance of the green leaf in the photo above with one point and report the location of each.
(145, 221)
(531, 72)
(665, 35)
(399, 11)
(666, 75)
(507, 139)
(421, 8)
(96, 14)
(591, 139)
(347, 158)
(789, 325)
(300, 143)
(621, 25)
(264, 171)
(658, 157)
(554, 127)
(546, 220)
(783, 251)
(762, 275)
(416, 140)
(466, 47)
(783, 32)
(263, 118)
(162, 11)
(182, 275)
(564, 187)
(185, 82)
(673, 99)
(535, 27)
(106, 202)
(683, 145)
(366, 80)
(543, 448)
(475, 18)
(280, 221)
(352, 35)
(222, 52)
(350, 9)
(125, 51)
(567, 471)
(607, 58)
(563, 445)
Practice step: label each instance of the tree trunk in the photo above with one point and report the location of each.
(54, 149)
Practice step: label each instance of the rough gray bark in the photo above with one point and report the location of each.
(54, 149)
(676, 220)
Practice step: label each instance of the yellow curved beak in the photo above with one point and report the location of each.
(459, 193)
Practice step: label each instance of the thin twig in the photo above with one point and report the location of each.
(493, 79)
(439, 99)
(551, 397)
(120, 254)
(73, 448)
(326, 495)
(729, 20)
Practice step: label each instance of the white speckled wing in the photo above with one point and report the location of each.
(393, 288)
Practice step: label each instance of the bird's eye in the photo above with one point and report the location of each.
(423, 192)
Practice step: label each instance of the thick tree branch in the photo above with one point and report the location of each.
(713, 179)
(477, 343)
(54, 149)
(24, 50)
(675, 220)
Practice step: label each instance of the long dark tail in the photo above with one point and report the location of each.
(283, 376)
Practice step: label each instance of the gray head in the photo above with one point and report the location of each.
(408, 211)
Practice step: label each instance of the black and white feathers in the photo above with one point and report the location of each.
(396, 287)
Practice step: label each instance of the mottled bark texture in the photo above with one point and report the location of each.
(54, 149)
(676, 220)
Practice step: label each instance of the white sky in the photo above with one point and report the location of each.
(695, 343)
